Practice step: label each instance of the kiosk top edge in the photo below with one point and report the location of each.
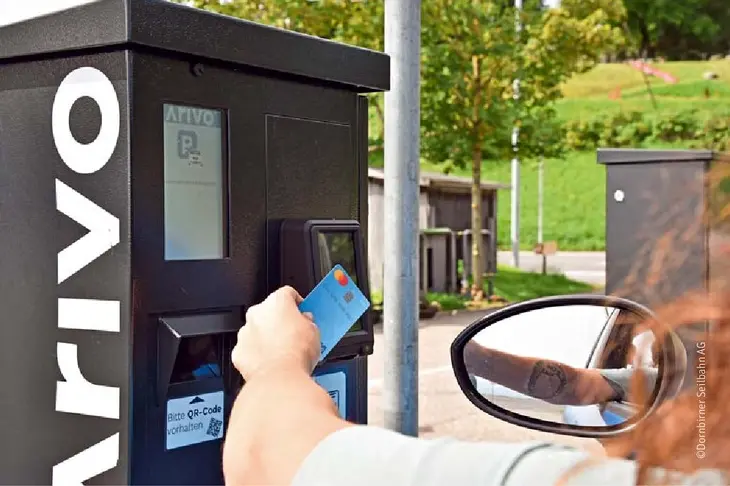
(161, 24)
(641, 156)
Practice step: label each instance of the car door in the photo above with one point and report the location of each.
(593, 415)
(614, 352)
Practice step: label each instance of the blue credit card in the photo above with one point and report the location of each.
(336, 304)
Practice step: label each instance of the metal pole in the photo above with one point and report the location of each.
(400, 283)
(540, 193)
(539, 199)
(515, 196)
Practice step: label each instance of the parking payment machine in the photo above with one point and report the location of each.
(161, 170)
(309, 249)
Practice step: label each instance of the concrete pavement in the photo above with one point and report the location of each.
(584, 266)
(443, 409)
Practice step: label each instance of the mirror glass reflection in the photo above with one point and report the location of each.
(568, 364)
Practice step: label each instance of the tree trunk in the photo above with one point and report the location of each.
(645, 40)
(477, 250)
(477, 287)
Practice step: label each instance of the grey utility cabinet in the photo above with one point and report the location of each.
(659, 218)
(662, 227)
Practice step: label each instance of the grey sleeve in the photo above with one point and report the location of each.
(369, 455)
(620, 379)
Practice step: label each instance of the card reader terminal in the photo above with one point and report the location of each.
(309, 249)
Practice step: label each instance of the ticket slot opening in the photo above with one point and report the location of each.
(192, 349)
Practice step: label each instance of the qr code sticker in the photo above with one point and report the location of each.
(214, 428)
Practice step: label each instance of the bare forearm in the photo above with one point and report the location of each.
(547, 380)
(277, 420)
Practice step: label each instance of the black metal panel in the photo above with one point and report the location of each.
(300, 149)
(35, 437)
(180, 287)
(178, 28)
(656, 248)
(309, 141)
(293, 154)
(95, 24)
(362, 143)
(361, 139)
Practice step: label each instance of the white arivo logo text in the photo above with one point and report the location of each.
(75, 394)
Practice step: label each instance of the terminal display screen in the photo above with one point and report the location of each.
(338, 247)
(195, 183)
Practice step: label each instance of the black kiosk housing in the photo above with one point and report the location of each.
(150, 155)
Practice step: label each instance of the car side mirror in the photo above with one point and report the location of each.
(567, 365)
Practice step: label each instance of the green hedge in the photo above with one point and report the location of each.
(631, 129)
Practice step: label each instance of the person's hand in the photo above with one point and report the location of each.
(277, 336)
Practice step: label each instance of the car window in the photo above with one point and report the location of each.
(619, 347)
(611, 314)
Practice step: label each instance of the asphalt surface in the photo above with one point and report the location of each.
(583, 266)
(443, 410)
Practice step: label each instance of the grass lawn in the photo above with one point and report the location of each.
(514, 286)
(574, 204)
(575, 199)
(587, 95)
(591, 108)
(574, 209)
(605, 77)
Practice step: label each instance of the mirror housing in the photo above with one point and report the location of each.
(671, 371)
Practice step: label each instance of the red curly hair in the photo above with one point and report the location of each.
(690, 431)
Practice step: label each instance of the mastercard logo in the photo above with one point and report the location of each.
(341, 277)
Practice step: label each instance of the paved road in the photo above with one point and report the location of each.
(583, 266)
(443, 410)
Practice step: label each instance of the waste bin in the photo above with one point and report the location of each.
(438, 260)
(489, 261)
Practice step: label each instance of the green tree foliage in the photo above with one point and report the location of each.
(471, 53)
(678, 28)
(354, 22)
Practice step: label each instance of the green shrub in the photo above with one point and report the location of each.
(634, 129)
(714, 134)
(680, 126)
